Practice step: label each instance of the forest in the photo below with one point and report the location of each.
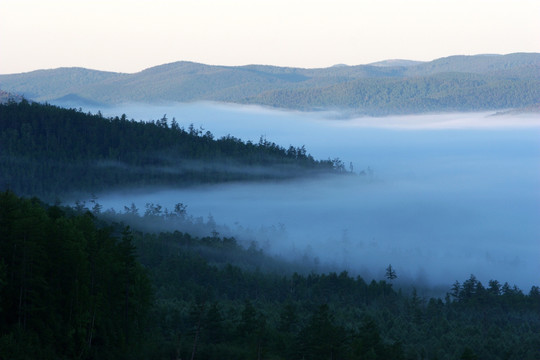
(454, 83)
(49, 151)
(383, 96)
(76, 286)
(81, 282)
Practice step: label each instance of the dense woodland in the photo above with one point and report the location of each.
(83, 283)
(49, 151)
(74, 286)
(69, 288)
(382, 96)
(455, 83)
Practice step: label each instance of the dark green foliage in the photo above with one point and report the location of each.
(69, 289)
(468, 354)
(49, 151)
(72, 287)
(321, 338)
(312, 316)
(368, 344)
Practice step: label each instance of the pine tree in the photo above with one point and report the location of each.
(390, 273)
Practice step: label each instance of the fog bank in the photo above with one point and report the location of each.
(450, 195)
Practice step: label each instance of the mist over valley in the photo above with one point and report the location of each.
(284, 180)
(270, 194)
(439, 197)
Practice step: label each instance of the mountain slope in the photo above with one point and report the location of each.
(478, 64)
(453, 83)
(440, 92)
(45, 85)
(49, 151)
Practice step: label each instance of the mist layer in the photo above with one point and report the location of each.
(443, 196)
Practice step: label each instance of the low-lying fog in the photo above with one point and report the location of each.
(450, 195)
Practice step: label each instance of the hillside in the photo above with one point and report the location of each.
(455, 83)
(75, 286)
(49, 151)
(6, 96)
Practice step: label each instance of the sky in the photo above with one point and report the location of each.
(129, 36)
(449, 195)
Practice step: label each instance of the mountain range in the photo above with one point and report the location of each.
(455, 83)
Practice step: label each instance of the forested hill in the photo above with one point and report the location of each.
(74, 287)
(455, 83)
(48, 151)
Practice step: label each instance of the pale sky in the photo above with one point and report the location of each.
(130, 35)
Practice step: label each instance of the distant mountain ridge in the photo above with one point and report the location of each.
(455, 83)
(396, 62)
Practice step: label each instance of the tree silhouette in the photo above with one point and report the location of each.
(390, 273)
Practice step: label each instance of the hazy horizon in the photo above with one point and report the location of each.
(382, 60)
(135, 35)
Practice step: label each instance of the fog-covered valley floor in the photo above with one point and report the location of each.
(443, 196)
